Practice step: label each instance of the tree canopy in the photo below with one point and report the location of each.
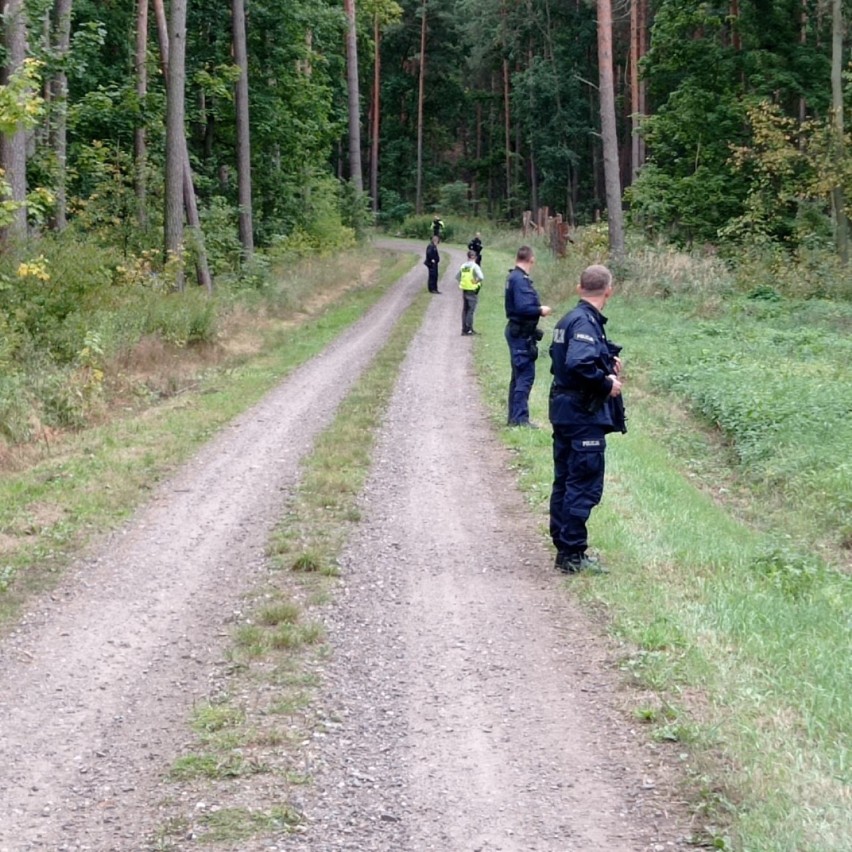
(510, 111)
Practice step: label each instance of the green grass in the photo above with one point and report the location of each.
(726, 580)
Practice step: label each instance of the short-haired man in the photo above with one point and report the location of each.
(433, 258)
(470, 280)
(585, 405)
(523, 310)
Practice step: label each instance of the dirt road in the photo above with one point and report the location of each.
(474, 707)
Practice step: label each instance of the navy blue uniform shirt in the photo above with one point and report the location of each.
(521, 300)
(581, 360)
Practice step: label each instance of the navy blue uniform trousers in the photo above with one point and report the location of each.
(578, 482)
(523, 352)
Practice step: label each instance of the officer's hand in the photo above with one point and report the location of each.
(617, 365)
(545, 310)
(615, 390)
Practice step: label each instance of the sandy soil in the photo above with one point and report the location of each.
(471, 705)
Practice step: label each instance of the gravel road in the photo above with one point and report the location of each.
(475, 705)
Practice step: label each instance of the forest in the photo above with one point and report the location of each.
(190, 191)
(150, 143)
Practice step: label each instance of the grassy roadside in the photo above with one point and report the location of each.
(741, 636)
(89, 482)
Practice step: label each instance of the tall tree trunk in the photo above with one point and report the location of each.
(841, 225)
(175, 137)
(608, 132)
(418, 202)
(507, 123)
(354, 95)
(13, 147)
(643, 86)
(736, 38)
(190, 203)
(474, 184)
(140, 135)
(376, 113)
(243, 135)
(803, 40)
(635, 107)
(59, 98)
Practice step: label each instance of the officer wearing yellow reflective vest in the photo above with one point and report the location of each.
(585, 405)
(470, 280)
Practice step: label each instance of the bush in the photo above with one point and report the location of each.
(420, 228)
(221, 237)
(392, 209)
(454, 198)
(15, 422)
(355, 212)
(181, 318)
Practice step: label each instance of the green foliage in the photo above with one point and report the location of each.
(16, 425)
(106, 207)
(355, 212)
(20, 107)
(392, 209)
(420, 228)
(221, 236)
(795, 575)
(180, 318)
(454, 198)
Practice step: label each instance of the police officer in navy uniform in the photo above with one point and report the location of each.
(585, 406)
(433, 258)
(523, 309)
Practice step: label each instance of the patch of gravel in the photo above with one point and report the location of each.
(468, 703)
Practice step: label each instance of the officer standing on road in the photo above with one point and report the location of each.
(523, 309)
(585, 405)
(433, 258)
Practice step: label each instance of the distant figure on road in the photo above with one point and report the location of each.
(523, 309)
(585, 405)
(475, 245)
(438, 227)
(470, 280)
(431, 262)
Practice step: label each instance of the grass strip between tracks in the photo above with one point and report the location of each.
(262, 711)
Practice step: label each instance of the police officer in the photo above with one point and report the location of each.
(523, 309)
(438, 227)
(585, 405)
(470, 280)
(475, 245)
(433, 258)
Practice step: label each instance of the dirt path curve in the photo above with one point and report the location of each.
(468, 703)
